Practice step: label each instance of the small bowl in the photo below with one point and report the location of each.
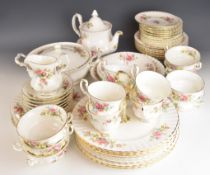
(152, 87)
(182, 58)
(44, 126)
(187, 88)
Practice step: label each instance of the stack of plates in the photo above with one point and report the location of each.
(157, 32)
(61, 97)
(134, 144)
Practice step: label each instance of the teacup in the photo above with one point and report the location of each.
(151, 87)
(182, 58)
(104, 97)
(187, 88)
(43, 127)
(146, 112)
(104, 123)
(44, 71)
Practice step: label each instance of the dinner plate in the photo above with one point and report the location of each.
(142, 136)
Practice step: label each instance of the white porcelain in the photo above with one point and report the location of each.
(152, 87)
(44, 71)
(104, 123)
(104, 97)
(44, 126)
(187, 89)
(96, 34)
(145, 112)
(111, 64)
(75, 56)
(130, 136)
(182, 58)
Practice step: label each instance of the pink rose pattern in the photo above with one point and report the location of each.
(158, 133)
(43, 74)
(102, 139)
(101, 107)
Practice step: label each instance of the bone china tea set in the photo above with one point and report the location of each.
(125, 115)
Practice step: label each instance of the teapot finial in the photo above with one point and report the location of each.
(95, 13)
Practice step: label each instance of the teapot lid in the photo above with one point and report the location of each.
(95, 23)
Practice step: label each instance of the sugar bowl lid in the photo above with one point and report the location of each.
(95, 23)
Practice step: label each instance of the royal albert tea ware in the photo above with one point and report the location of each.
(182, 58)
(76, 56)
(151, 87)
(122, 147)
(158, 31)
(107, 123)
(110, 65)
(157, 52)
(42, 130)
(126, 162)
(187, 89)
(104, 97)
(62, 97)
(146, 112)
(45, 71)
(96, 34)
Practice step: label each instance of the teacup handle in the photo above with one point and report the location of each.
(69, 122)
(31, 162)
(84, 86)
(198, 66)
(17, 147)
(17, 59)
(74, 26)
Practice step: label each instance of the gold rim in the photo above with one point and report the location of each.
(121, 153)
(140, 165)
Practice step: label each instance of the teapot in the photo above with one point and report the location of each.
(44, 71)
(96, 34)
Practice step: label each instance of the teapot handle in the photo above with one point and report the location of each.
(74, 26)
(17, 59)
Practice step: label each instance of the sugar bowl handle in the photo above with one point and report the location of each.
(134, 71)
(17, 147)
(18, 61)
(198, 66)
(74, 26)
(84, 86)
(69, 123)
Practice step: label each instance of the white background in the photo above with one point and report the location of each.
(190, 156)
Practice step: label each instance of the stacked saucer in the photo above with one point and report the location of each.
(135, 144)
(29, 99)
(158, 31)
(60, 97)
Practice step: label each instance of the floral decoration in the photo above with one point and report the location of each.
(150, 66)
(181, 97)
(44, 74)
(110, 78)
(18, 109)
(79, 51)
(51, 111)
(100, 107)
(159, 132)
(127, 57)
(191, 53)
(82, 112)
(143, 99)
(76, 96)
(102, 139)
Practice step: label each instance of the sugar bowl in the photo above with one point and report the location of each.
(96, 34)
(43, 132)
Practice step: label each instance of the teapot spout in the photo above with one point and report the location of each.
(115, 39)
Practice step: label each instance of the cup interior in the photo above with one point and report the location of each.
(42, 122)
(41, 59)
(182, 55)
(106, 91)
(185, 81)
(153, 85)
